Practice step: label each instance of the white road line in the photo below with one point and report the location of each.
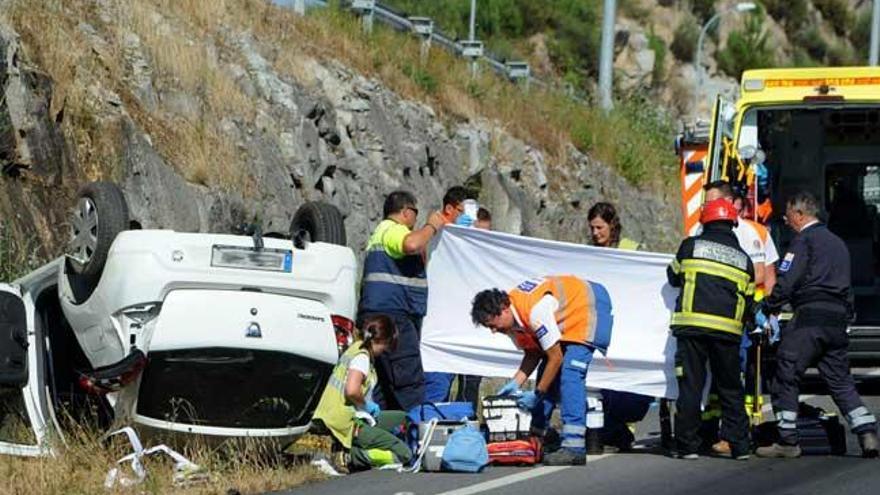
(506, 480)
(515, 478)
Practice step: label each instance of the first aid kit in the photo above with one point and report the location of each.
(504, 420)
(446, 412)
(515, 452)
(431, 425)
(434, 435)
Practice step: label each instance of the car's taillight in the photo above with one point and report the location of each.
(344, 329)
(116, 376)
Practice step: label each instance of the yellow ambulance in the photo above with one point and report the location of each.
(816, 129)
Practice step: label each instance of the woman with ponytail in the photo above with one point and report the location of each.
(346, 408)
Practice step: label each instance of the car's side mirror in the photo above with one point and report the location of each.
(13, 340)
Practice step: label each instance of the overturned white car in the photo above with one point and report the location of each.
(209, 334)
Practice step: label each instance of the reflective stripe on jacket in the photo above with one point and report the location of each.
(389, 285)
(584, 314)
(717, 281)
(333, 408)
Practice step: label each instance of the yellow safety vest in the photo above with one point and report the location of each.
(333, 409)
(628, 244)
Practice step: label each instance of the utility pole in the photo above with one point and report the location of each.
(606, 55)
(472, 30)
(875, 34)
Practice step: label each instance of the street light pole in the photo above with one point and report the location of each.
(471, 31)
(875, 34)
(698, 60)
(606, 55)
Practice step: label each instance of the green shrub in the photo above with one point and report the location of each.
(684, 44)
(703, 9)
(837, 13)
(792, 14)
(860, 36)
(800, 58)
(813, 43)
(746, 49)
(841, 54)
(423, 79)
(658, 46)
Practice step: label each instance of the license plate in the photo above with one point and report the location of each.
(266, 259)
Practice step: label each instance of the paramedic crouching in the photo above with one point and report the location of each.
(346, 408)
(557, 321)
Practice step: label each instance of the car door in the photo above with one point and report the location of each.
(723, 115)
(17, 407)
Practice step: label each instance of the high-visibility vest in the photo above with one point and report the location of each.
(333, 408)
(584, 314)
(392, 286)
(628, 244)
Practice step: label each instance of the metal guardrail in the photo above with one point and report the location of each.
(400, 22)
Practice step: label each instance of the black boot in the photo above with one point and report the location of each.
(870, 444)
(565, 457)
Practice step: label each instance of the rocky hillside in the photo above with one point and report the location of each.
(212, 113)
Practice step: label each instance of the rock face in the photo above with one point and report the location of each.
(328, 134)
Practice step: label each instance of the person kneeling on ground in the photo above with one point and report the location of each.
(346, 410)
(557, 321)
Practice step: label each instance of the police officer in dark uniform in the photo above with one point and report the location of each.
(717, 279)
(814, 277)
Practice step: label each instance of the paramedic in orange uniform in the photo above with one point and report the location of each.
(557, 321)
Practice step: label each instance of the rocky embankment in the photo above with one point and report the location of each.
(262, 133)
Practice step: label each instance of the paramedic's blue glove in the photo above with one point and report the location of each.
(509, 388)
(372, 408)
(760, 319)
(464, 220)
(773, 322)
(529, 400)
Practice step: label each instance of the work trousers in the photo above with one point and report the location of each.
(620, 410)
(438, 387)
(401, 380)
(376, 446)
(691, 355)
(570, 392)
(804, 343)
(469, 389)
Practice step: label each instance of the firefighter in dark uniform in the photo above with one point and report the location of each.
(814, 277)
(717, 281)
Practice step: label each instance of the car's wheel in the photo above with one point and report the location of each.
(100, 214)
(322, 222)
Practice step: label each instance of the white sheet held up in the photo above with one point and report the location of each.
(464, 261)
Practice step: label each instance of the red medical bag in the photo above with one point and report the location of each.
(515, 452)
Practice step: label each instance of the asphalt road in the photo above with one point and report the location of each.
(647, 470)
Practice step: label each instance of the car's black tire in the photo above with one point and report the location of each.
(100, 214)
(322, 221)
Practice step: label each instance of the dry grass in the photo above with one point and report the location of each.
(19, 252)
(184, 41)
(81, 466)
